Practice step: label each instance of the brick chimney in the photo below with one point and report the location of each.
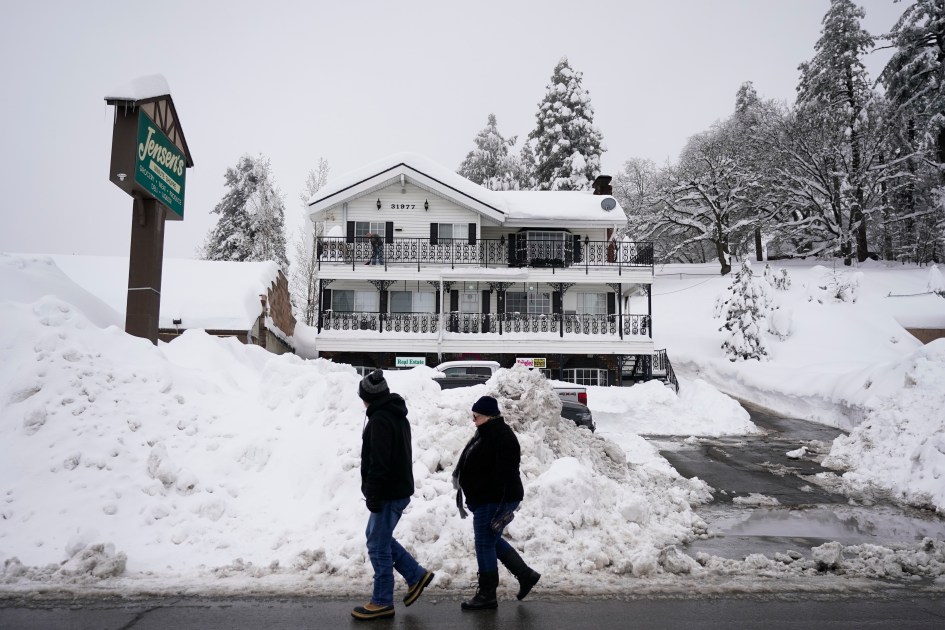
(602, 185)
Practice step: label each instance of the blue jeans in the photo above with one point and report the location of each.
(489, 544)
(377, 256)
(387, 554)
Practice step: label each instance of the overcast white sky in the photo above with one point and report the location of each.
(355, 81)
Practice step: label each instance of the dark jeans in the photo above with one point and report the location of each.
(489, 544)
(387, 554)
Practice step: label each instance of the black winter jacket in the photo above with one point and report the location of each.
(386, 452)
(488, 467)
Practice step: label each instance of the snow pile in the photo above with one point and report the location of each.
(654, 409)
(207, 463)
(900, 447)
(936, 281)
(923, 561)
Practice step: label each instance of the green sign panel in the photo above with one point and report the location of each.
(159, 165)
(410, 361)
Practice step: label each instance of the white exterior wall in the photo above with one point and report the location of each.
(411, 222)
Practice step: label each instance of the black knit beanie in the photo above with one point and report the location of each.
(373, 386)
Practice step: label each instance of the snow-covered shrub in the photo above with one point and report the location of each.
(744, 318)
(840, 286)
(781, 280)
(768, 274)
(935, 281)
(780, 322)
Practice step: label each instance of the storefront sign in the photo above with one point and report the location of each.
(534, 362)
(410, 361)
(159, 165)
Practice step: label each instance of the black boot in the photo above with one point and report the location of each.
(485, 595)
(527, 578)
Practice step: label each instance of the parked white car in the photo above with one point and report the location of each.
(466, 373)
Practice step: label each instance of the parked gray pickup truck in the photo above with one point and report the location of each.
(466, 373)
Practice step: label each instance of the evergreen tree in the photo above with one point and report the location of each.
(526, 158)
(915, 86)
(834, 88)
(304, 277)
(567, 144)
(915, 74)
(745, 312)
(490, 163)
(252, 217)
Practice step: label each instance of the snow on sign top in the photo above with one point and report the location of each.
(513, 204)
(140, 89)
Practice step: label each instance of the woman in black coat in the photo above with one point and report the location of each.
(488, 474)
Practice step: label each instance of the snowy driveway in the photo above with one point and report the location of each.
(772, 496)
(756, 470)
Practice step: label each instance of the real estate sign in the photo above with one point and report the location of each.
(160, 167)
(410, 361)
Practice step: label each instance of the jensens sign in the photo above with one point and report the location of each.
(160, 167)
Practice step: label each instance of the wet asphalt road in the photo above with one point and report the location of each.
(806, 515)
(904, 612)
(741, 465)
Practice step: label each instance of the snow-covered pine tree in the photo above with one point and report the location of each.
(835, 88)
(915, 87)
(526, 158)
(745, 313)
(915, 74)
(567, 144)
(302, 282)
(490, 164)
(252, 216)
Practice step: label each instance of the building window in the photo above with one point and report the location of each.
(363, 228)
(532, 302)
(545, 245)
(592, 303)
(585, 376)
(469, 302)
(347, 301)
(412, 302)
(457, 231)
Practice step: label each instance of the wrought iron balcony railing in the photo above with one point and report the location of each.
(476, 323)
(487, 253)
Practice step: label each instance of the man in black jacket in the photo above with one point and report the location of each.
(488, 473)
(387, 485)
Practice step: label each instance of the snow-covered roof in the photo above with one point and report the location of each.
(512, 206)
(210, 295)
(142, 88)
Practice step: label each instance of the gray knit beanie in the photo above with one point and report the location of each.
(373, 386)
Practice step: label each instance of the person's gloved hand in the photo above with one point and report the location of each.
(374, 504)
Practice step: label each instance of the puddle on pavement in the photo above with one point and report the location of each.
(736, 532)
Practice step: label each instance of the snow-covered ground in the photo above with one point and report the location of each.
(207, 466)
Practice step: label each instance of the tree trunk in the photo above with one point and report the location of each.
(721, 248)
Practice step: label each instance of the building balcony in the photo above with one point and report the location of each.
(573, 254)
(517, 324)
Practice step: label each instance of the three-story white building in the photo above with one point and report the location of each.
(417, 262)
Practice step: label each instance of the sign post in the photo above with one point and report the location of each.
(149, 162)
